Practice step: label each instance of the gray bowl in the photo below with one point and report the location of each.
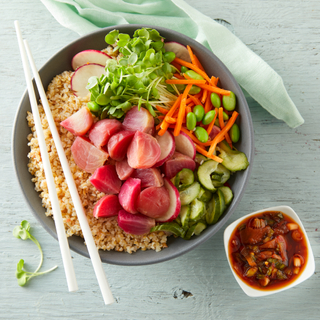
(61, 62)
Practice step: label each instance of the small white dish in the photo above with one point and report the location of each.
(306, 273)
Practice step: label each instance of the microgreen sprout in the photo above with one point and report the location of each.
(23, 232)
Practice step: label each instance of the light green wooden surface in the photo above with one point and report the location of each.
(285, 171)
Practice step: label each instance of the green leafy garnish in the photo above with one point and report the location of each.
(23, 276)
(137, 78)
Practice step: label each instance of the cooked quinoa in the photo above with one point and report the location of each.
(106, 232)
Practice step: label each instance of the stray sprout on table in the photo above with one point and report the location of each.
(23, 276)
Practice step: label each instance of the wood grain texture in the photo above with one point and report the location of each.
(198, 285)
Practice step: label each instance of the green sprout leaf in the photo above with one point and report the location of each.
(112, 37)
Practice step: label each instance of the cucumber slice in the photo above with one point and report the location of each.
(204, 195)
(189, 194)
(184, 179)
(215, 207)
(199, 228)
(185, 216)
(178, 220)
(197, 209)
(200, 159)
(233, 160)
(190, 232)
(228, 194)
(220, 176)
(171, 227)
(204, 174)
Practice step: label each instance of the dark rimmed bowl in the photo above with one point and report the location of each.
(60, 62)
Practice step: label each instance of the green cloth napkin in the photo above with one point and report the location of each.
(251, 72)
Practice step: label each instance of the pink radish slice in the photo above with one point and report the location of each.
(144, 151)
(167, 146)
(179, 49)
(89, 56)
(124, 171)
(185, 145)
(79, 79)
(137, 224)
(86, 156)
(107, 206)
(178, 162)
(215, 130)
(119, 143)
(102, 130)
(139, 120)
(175, 203)
(129, 193)
(150, 177)
(79, 123)
(105, 179)
(153, 202)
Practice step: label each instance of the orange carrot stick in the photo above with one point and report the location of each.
(208, 104)
(209, 129)
(182, 110)
(198, 63)
(162, 110)
(192, 58)
(177, 75)
(221, 123)
(188, 109)
(204, 96)
(177, 65)
(164, 127)
(183, 81)
(214, 81)
(171, 120)
(195, 100)
(205, 153)
(214, 89)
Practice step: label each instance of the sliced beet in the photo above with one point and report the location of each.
(123, 169)
(119, 143)
(139, 120)
(102, 131)
(105, 179)
(153, 202)
(178, 162)
(129, 193)
(144, 151)
(137, 224)
(167, 146)
(107, 206)
(150, 177)
(79, 123)
(86, 156)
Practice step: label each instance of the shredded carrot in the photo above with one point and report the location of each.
(181, 115)
(209, 129)
(214, 89)
(188, 109)
(174, 106)
(195, 100)
(183, 81)
(208, 104)
(205, 153)
(162, 110)
(192, 58)
(177, 65)
(164, 127)
(214, 81)
(198, 95)
(221, 123)
(220, 136)
(199, 65)
(161, 117)
(171, 120)
(190, 105)
(188, 101)
(177, 75)
(204, 96)
(158, 126)
(162, 132)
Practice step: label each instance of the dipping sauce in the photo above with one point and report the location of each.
(268, 250)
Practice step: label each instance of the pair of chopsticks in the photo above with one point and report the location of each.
(63, 242)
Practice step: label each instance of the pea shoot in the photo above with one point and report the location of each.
(23, 276)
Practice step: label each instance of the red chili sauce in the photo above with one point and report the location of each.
(268, 250)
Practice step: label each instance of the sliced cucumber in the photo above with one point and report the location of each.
(204, 195)
(220, 176)
(215, 207)
(190, 232)
(189, 194)
(204, 174)
(171, 227)
(178, 220)
(197, 209)
(185, 216)
(199, 228)
(228, 194)
(233, 160)
(200, 159)
(184, 179)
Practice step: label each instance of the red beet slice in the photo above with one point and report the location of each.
(86, 156)
(102, 131)
(107, 206)
(144, 151)
(119, 143)
(105, 179)
(167, 146)
(139, 120)
(79, 123)
(153, 202)
(149, 177)
(137, 224)
(124, 171)
(129, 193)
(178, 162)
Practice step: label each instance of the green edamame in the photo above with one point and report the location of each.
(184, 69)
(191, 121)
(201, 134)
(93, 106)
(235, 133)
(198, 110)
(208, 117)
(194, 75)
(194, 89)
(225, 116)
(215, 100)
(229, 102)
(169, 56)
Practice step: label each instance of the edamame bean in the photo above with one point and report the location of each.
(225, 116)
(169, 56)
(198, 110)
(208, 117)
(194, 89)
(201, 134)
(215, 100)
(102, 99)
(235, 133)
(93, 106)
(216, 123)
(194, 75)
(229, 102)
(184, 69)
(191, 121)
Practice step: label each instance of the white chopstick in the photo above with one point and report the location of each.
(93, 252)
(63, 242)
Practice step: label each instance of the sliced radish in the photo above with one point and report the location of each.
(107, 206)
(179, 49)
(123, 169)
(138, 224)
(129, 193)
(106, 180)
(79, 79)
(167, 146)
(150, 177)
(185, 145)
(175, 203)
(139, 120)
(215, 130)
(89, 56)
